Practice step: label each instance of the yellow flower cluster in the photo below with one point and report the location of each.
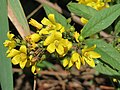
(10, 43)
(87, 56)
(20, 56)
(47, 37)
(52, 37)
(53, 31)
(96, 4)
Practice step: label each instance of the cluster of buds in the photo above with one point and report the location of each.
(50, 38)
(96, 4)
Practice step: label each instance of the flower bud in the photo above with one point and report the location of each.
(81, 38)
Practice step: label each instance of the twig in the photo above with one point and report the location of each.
(63, 73)
(107, 87)
(55, 6)
(34, 11)
(35, 82)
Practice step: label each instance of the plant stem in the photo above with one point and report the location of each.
(35, 82)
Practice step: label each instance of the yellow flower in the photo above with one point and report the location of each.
(65, 62)
(35, 37)
(83, 20)
(75, 59)
(51, 23)
(55, 42)
(36, 24)
(10, 36)
(76, 35)
(19, 56)
(35, 69)
(88, 54)
(10, 43)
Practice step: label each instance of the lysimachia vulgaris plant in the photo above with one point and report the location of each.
(90, 37)
(50, 39)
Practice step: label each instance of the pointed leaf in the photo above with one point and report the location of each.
(108, 53)
(81, 10)
(17, 9)
(101, 20)
(6, 79)
(117, 27)
(105, 69)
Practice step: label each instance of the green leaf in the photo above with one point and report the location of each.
(6, 78)
(59, 18)
(108, 53)
(117, 27)
(105, 69)
(101, 20)
(20, 15)
(81, 10)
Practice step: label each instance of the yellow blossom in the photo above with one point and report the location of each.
(19, 56)
(75, 59)
(55, 42)
(83, 20)
(10, 43)
(36, 24)
(35, 69)
(65, 62)
(35, 37)
(76, 35)
(51, 23)
(88, 54)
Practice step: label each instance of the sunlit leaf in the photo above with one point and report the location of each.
(101, 20)
(108, 53)
(81, 10)
(6, 78)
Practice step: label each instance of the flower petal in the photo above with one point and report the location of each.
(45, 21)
(16, 59)
(65, 62)
(75, 57)
(58, 35)
(10, 36)
(62, 29)
(35, 37)
(36, 24)
(13, 52)
(43, 31)
(58, 26)
(93, 54)
(51, 48)
(78, 64)
(88, 49)
(33, 68)
(76, 35)
(70, 64)
(52, 18)
(23, 63)
(83, 60)
(49, 39)
(60, 49)
(90, 62)
(23, 49)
